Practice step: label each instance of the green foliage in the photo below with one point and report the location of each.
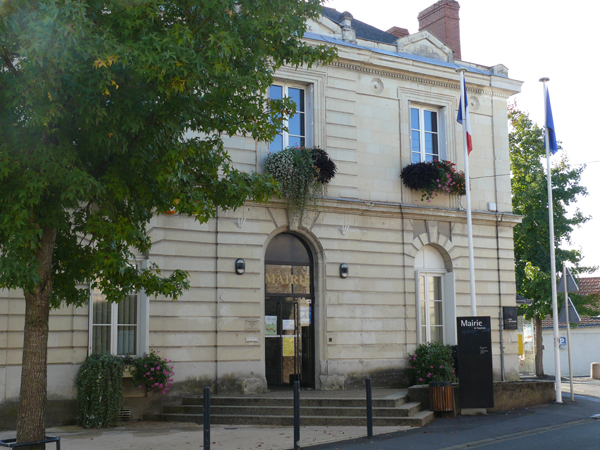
(113, 110)
(151, 371)
(434, 177)
(99, 384)
(302, 174)
(432, 361)
(530, 199)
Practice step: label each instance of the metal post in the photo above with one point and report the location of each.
(296, 415)
(369, 409)
(206, 414)
(557, 376)
(567, 305)
(463, 91)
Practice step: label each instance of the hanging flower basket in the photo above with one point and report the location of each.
(434, 177)
(303, 174)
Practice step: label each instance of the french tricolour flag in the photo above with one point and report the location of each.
(467, 122)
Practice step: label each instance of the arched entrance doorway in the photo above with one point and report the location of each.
(289, 312)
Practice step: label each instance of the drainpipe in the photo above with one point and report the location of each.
(498, 222)
(217, 300)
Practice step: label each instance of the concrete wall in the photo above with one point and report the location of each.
(585, 348)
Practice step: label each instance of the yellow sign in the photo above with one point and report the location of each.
(520, 344)
(288, 346)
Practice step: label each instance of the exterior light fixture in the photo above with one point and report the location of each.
(240, 266)
(344, 270)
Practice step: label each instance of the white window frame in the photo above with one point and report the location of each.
(426, 274)
(308, 112)
(441, 131)
(142, 321)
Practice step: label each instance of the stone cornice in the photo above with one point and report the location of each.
(398, 210)
(402, 75)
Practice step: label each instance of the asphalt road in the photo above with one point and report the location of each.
(554, 426)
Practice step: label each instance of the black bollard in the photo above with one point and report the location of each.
(296, 415)
(206, 418)
(369, 409)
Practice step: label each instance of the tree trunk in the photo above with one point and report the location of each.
(539, 347)
(31, 424)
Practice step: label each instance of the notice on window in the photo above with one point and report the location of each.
(304, 316)
(288, 346)
(288, 325)
(270, 325)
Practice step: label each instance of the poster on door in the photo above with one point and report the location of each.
(288, 346)
(304, 316)
(270, 325)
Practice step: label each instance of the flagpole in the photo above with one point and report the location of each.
(463, 104)
(557, 376)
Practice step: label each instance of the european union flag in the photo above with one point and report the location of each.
(550, 126)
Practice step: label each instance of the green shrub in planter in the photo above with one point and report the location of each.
(151, 371)
(99, 384)
(432, 361)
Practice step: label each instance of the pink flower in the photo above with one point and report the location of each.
(152, 369)
(158, 351)
(140, 386)
(452, 370)
(441, 367)
(429, 375)
(420, 379)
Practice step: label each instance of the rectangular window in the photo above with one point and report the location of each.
(119, 328)
(114, 326)
(431, 306)
(296, 134)
(425, 132)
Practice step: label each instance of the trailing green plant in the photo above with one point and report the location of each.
(432, 361)
(99, 383)
(151, 371)
(302, 174)
(434, 177)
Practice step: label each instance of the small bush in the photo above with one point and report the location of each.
(151, 371)
(99, 384)
(431, 362)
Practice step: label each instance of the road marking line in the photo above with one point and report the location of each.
(511, 437)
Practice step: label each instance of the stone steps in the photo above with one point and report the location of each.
(278, 411)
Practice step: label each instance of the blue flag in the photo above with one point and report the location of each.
(550, 126)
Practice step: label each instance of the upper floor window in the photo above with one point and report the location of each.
(296, 134)
(425, 134)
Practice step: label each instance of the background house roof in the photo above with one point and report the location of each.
(588, 285)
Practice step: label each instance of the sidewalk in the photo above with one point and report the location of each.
(161, 435)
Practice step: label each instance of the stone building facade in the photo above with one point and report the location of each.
(291, 315)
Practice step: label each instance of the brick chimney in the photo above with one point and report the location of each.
(441, 20)
(398, 32)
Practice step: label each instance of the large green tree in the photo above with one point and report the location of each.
(112, 111)
(532, 235)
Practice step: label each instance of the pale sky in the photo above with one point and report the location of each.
(534, 39)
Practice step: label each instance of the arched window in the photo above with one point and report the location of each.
(435, 298)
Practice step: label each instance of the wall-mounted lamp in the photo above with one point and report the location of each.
(344, 270)
(240, 266)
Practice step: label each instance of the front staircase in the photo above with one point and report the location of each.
(392, 410)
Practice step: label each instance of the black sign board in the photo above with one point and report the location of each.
(476, 381)
(509, 314)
